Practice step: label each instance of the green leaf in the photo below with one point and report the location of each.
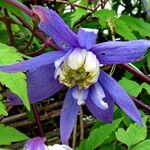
(133, 135)
(16, 82)
(146, 87)
(137, 24)
(9, 134)
(120, 26)
(148, 60)
(132, 87)
(3, 109)
(77, 14)
(81, 146)
(145, 145)
(99, 135)
(103, 15)
(123, 30)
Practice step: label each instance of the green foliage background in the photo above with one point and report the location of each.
(129, 21)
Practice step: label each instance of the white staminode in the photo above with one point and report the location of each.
(90, 30)
(58, 147)
(91, 62)
(76, 58)
(80, 67)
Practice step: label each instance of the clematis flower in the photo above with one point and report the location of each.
(77, 66)
(37, 143)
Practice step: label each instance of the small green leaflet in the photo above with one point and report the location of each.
(133, 135)
(133, 88)
(99, 135)
(120, 26)
(137, 24)
(77, 14)
(16, 82)
(3, 109)
(148, 60)
(9, 135)
(145, 145)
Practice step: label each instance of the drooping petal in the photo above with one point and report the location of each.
(87, 37)
(97, 96)
(68, 116)
(41, 85)
(35, 144)
(101, 114)
(120, 52)
(119, 96)
(52, 24)
(36, 62)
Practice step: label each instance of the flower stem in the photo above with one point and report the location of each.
(74, 135)
(141, 104)
(37, 118)
(48, 42)
(81, 124)
(136, 73)
(21, 7)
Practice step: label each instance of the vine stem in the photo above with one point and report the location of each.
(48, 42)
(37, 118)
(69, 3)
(9, 29)
(81, 124)
(141, 104)
(21, 7)
(135, 72)
(74, 135)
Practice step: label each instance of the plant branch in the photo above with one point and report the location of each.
(68, 3)
(38, 52)
(49, 43)
(136, 73)
(20, 6)
(28, 43)
(74, 136)
(141, 104)
(81, 124)
(9, 30)
(37, 118)
(87, 15)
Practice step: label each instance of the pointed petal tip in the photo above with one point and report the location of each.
(55, 27)
(120, 97)
(140, 122)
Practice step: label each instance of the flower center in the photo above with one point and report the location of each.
(80, 68)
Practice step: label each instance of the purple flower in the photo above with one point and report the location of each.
(37, 143)
(77, 65)
(147, 6)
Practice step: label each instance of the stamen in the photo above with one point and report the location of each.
(80, 67)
